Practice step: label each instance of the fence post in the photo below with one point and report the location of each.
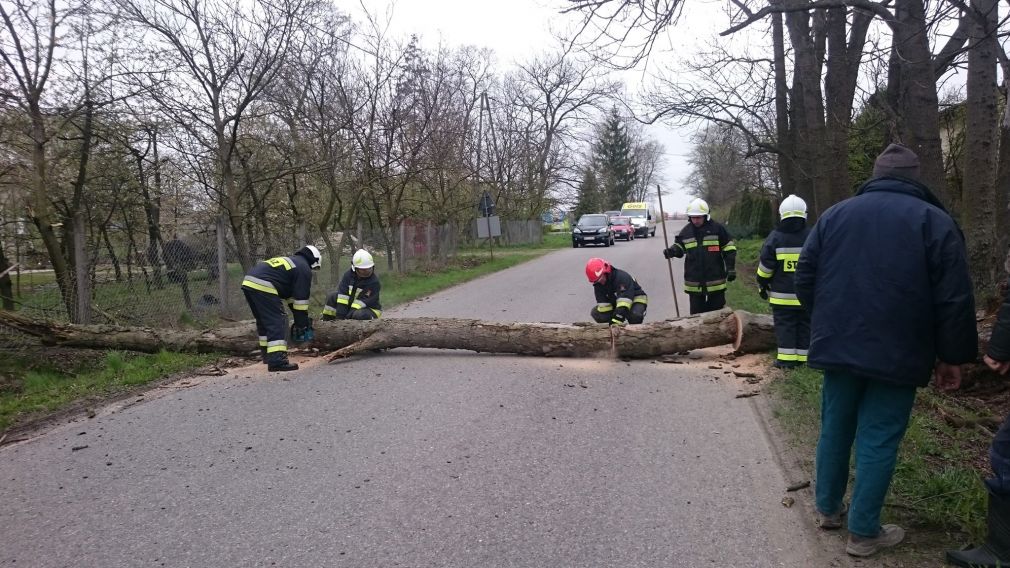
(82, 313)
(401, 263)
(430, 234)
(222, 264)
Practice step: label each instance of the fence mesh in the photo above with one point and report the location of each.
(187, 288)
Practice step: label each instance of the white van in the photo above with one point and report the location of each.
(643, 218)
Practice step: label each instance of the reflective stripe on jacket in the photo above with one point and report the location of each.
(288, 277)
(619, 292)
(709, 253)
(780, 255)
(355, 293)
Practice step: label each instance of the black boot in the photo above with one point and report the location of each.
(279, 362)
(263, 354)
(995, 552)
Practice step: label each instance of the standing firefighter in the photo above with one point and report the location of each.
(779, 256)
(357, 296)
(270, 281)
(619, 298)
(710, 258)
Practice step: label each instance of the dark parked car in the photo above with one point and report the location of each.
(592, 229)
(622, 228)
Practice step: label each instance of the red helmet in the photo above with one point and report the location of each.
(595, 268)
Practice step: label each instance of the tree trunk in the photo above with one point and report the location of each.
(978, 199)
(6, 288)
(746, 332)
(914, 90)
(786, 155)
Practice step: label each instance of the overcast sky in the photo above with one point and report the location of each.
(515, 29)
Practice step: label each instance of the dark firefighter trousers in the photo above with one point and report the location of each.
(999, 459)
(363, 314)
(707, 301)
(635, 315)
(271, 322)
(792, 333)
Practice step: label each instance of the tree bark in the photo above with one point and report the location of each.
(746, 332)
(978, 196)
(6, 288)
(912, 90)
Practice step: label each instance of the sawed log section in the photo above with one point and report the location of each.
(747, 332)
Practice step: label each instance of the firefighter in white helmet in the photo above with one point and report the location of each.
(780, 255)
(710, 258)
(266, 287)
(357, 296)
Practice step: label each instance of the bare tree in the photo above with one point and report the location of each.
(220, 57)
(559, 94)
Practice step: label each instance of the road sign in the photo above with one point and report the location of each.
(486, 205)
(488, 227)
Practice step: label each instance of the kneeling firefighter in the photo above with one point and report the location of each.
(357, 296)
(270, 281)
(619, 298)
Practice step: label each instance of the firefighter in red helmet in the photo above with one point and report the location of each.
(619, 298)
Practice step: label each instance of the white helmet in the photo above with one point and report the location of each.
(311, 254)
(362, 259)
(793, 206)
(697, 207)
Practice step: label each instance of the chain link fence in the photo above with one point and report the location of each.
(189, 285)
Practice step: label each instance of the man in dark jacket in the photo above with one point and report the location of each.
(265, 287)
(619, 298)
(885, 278)
(777, 264)
(996, 549)
(710, 258)
(357, 295)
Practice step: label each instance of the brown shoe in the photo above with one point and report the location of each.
(832, 522)
(890, 535)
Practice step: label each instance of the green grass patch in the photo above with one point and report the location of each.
(743, 293)
(55, 383)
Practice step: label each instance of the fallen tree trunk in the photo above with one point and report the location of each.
(746, 332)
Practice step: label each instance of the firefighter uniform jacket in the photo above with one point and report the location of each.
(780, 255)
(618, 293)
(354, 293)
(289, 278)
(709, 254)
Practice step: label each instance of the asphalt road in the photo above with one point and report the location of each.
(421, 458)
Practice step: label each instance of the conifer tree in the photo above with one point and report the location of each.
(614, 158)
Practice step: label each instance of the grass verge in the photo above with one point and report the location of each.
(36, 384)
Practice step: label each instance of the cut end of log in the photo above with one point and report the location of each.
(738, 338)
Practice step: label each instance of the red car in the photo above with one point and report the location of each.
(622, 228)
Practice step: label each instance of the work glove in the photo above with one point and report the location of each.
(763, 292)
(617, 320)
(673, 252)
(730, 275)
(302, 334)
(328, 317)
